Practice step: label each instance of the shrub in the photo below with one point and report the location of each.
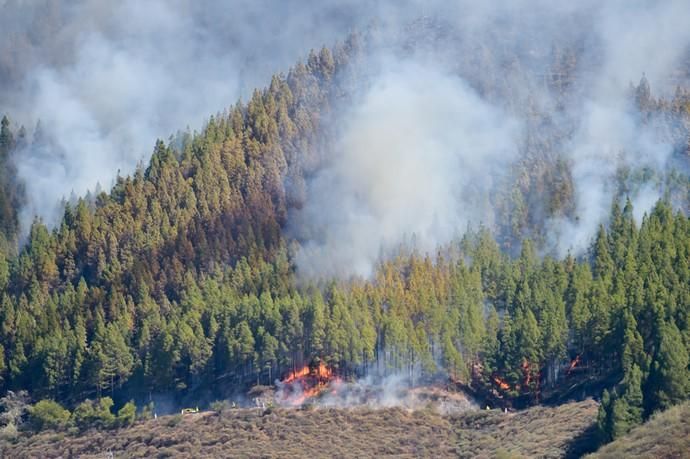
(48, 414)
(219, 406)
(9, 432)
(14, 407)
(147, 412)
(91, 413)
(83, 415)
(127, 414)
(174, 421)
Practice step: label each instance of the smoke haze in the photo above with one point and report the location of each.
(416, 159)
(418, 153)
(106, 80)
(377, 392)
(610, 135)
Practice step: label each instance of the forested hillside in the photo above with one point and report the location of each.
(10, 189)
(182, 277)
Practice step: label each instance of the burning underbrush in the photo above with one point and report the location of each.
(306, 383)
(318, 386)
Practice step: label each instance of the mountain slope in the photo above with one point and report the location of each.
(665, 435)
(537, 432)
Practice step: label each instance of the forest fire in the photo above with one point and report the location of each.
(501, 383)
(307, 382)
(573, 364)
(297, 374)
(532, 381)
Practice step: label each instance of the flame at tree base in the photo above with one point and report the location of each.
(318, 385)
(308, 382)
(501, 383)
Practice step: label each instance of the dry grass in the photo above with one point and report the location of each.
(285, 433)
(666, 435)
(563, 431)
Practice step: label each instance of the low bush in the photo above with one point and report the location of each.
(287, 433)
(174, 420)
(219, 406)
(48, 414)
(127, 414)
(97, 414)
(147, 412)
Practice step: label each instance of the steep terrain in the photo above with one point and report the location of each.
(665, 435)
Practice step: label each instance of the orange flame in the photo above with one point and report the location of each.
(297, 374)
(574, 363)
(531, 375)
(501, 383)
(323, 372)
(311, 381)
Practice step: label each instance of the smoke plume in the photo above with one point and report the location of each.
(422, 152)
(375, 392)
(416, 160)
(418, 155)
(107, 79)
(611, 134)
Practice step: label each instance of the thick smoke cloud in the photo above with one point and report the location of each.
(416, 161)
(418, 154)
(610, 134)
(107, 79)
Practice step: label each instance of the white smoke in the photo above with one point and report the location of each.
(417, 155)
(611, 135)
(378, 392)
(117, 75)
(416, 159)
